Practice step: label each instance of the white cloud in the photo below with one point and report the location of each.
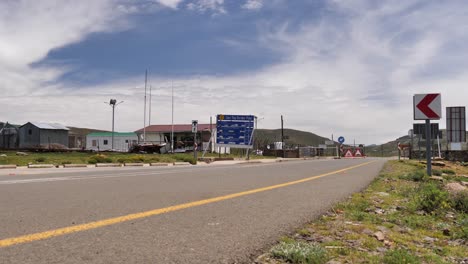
(207, 5)
(253, 4)
(351, 73)
(170, 3)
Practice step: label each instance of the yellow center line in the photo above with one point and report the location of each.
(125, 218)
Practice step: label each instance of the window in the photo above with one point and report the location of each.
(106, 141)
(94, 142)
(126, 141)
(30, 132)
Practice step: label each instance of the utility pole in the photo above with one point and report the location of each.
(150, 103)
(282, 135)
(172, 122)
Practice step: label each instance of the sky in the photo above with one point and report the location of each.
(343, 67)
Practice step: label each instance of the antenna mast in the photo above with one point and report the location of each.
(144, 111)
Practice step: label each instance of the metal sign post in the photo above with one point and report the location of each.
(427, 107)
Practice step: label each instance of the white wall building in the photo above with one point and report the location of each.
(100, 141)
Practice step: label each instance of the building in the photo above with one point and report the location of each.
(8, 136)
(101, 141)
(183, 136)
(43, 135)
(77, 137)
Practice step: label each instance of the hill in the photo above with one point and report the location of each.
(83, 131)
(265, 137)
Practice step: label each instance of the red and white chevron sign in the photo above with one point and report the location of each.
(427, 106)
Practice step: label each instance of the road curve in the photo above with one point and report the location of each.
(216, 214)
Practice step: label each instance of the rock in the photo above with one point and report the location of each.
(388, 243)
(379, 211)
(464, 184)
(429, 239)
(21, 154)
(436, 178)
(455, 187)
(382, 249)
(446, 232)
(383, 194)
(3, 155)
(367, 232)
(420, 212)
(397, 229)
(400, 208)
(382, 229)
(449, 215)
(379, 235)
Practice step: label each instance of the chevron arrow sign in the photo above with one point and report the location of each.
(427, 106)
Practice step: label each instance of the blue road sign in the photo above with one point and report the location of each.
(341, 140)
(235, 131)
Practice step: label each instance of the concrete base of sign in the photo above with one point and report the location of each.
(134, 164)
(41, 166)
(159, 164)
(7, 166)
(181, 163)
(75, 165)
(106, 165)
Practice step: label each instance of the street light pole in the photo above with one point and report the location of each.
(113, 103)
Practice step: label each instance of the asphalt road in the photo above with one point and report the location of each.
(211, 214)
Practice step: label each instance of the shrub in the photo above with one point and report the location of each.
(99, 158)
(66, 162)
(436, 172)
(463, 225)
(430, 198)
(132, 159)
(448, 171)
(185, 158)
(417, 176)
(400, 256)
(460, 201)
(298, 252)
(41, 159)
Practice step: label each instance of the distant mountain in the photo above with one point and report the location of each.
(265, 137)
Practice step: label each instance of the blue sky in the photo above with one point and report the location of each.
(347, 67)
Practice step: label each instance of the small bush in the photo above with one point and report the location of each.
(185, 158)
(430, 197)
(448, 171)
(460, 201)
(463, 226)
(41, 159)
(66, 162)
(436, 172)
(400, 256)
(299, 253)
(416, 176)
(99, 158)
(132, 159)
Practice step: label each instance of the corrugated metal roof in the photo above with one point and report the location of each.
(109, 134)
(177, 128)
(55, 126)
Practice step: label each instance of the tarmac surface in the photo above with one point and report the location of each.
(227, 213)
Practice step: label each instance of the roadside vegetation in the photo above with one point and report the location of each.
(404, 216)
(61, 158)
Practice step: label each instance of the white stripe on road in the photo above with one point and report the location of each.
(128, 174)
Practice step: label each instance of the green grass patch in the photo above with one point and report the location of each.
(400, 256)
(299, 252)
(420, 221)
